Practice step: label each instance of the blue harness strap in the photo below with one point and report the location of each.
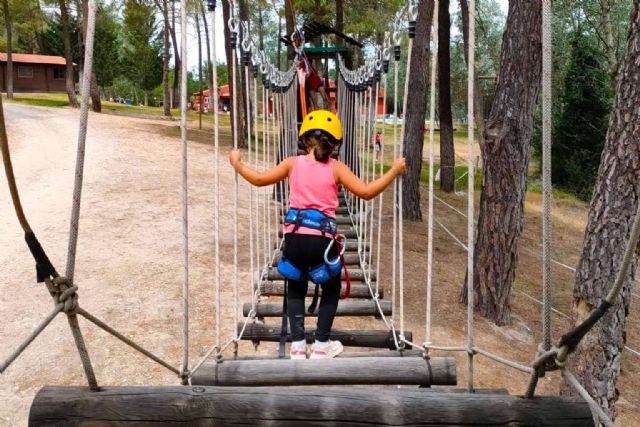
(311, 218)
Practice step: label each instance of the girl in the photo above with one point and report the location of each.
(313, 197)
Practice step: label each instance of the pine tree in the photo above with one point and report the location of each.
(580, 130)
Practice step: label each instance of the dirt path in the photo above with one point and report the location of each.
(129, 264)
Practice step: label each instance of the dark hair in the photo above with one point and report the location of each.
(321, 146)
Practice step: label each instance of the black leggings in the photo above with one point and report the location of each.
(305, 251)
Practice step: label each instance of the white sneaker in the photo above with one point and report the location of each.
(326, 351)
(298, 353)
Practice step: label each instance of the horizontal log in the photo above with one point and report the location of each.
(355, 274)
(352, 245)
(292, 407)
(345, 308)
(347, 354)
(351, 258)
(348, 337)
(358, 290)
(349, 233)
(341, 371)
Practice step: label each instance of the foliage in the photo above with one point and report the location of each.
(142, 45)
(107, 62)
(28, 21)
(580, 130)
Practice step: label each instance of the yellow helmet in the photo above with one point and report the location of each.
(322, 120)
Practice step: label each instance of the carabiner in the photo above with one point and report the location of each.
(343, 243)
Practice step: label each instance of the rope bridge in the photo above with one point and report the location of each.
(225, 387)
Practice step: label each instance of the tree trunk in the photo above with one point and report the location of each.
(610, 45)
(416, 111)
(210, 61)
(175, 91)
(506, 153)
(69, 71)
(94, 92)
(229, 54)
(597, 361)
(447, 150)
(166, 97)
(290, 21)
(7, 23)
(478, 106)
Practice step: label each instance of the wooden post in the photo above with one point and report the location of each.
(289, 407)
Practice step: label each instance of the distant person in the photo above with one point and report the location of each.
(377, 146)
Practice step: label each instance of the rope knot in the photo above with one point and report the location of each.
(63, 291)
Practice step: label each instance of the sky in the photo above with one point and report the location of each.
(192, 40)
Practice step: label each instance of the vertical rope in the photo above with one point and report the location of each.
(77, 188)
(471, 191)
(185, 195)
(400, 195)
(432, 132)
(382, 144)
(213, 96)
(250, 159)
(395, 181)
(233, 27)
(546, 172)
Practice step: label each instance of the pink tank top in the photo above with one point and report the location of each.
(312, 186)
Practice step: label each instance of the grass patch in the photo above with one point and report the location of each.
(534, 185)
(54, 100)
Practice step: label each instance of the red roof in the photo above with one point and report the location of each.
(223, 92)
(26, 58)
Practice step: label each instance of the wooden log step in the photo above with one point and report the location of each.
(358, 290)
(348, 337)
(347, 354)
(345, 371)
(345, 308)
(350, 258)
(352, 245)
(356, 275)
(292, 407)
(349, 233)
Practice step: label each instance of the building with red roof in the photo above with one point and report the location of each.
(35, 73)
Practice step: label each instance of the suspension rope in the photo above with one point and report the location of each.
(185, 190)
(471, 189)
(432, 132)
(233, 27)
(214, 96)
(546, 171)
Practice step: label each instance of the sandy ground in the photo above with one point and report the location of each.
(129, 264)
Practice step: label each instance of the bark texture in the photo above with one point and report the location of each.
(94, 91)
(69, 71)
(447, 150)
(177, 64)
(506, 153)
(416, 111)
(229, 54)
(208, 45)
(478, 109)
(166, 56)
(290, 23)
(597, 361)
(7, 24)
